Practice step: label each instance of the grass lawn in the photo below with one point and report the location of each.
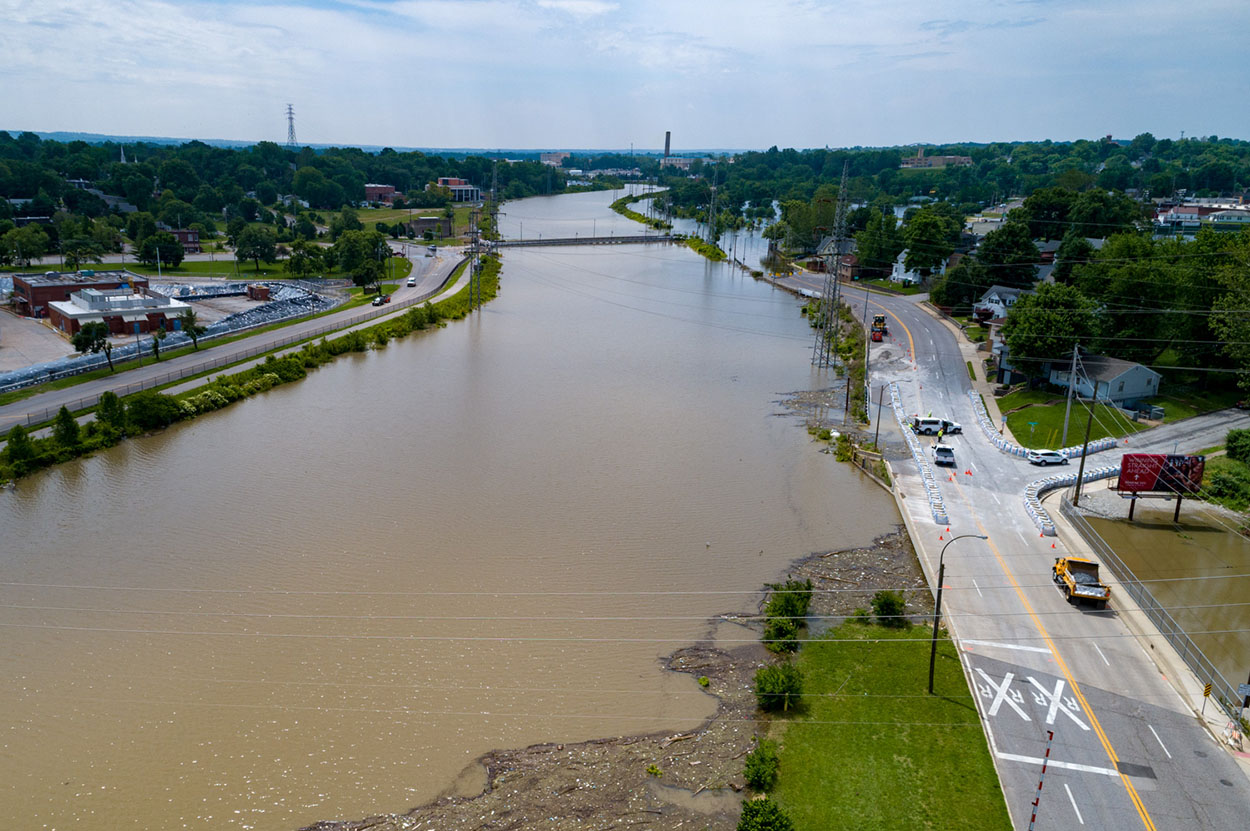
(873, 750)
(897, 288)
(1048, 432)
(1227, 482)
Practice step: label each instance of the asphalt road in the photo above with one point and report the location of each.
(1128, 750)
(431, 274)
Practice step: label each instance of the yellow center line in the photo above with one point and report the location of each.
(1063, 666)
(911, 343)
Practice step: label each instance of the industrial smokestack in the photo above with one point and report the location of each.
(668, 135)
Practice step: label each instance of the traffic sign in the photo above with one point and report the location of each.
(1206, 690)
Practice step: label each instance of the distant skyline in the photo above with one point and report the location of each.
(547, 74)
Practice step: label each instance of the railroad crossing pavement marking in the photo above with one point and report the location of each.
(1058, 703)
(1001, 694)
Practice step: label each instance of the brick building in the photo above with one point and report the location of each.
(33, 292)
(380, 193)
(124, 311)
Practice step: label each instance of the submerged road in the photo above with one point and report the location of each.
(1129, 750)
(432, 274)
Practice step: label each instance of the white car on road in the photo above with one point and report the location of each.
(1046, 457)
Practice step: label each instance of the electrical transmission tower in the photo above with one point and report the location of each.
(711, 213)
(829, 319)
(475, 268)
(290, 127)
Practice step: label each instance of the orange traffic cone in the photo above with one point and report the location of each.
(1052, 545)
(940, 538)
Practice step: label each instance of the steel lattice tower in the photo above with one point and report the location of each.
(825, 350)
(290, 127)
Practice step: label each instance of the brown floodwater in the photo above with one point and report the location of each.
(328, 600)
(1198, 569)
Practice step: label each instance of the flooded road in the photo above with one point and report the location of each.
(328, 600)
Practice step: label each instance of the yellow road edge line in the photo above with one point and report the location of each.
(1067, 674)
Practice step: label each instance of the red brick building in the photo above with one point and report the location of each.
(190, 239)
(122, 310)
(380, 193)
(33, 292)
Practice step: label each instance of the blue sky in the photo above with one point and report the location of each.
(608, 73)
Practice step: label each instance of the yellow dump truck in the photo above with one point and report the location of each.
(1079, 581)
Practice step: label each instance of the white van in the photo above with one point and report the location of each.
(412, 281)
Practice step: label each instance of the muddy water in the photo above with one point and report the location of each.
(1197, 570)
(327, 601)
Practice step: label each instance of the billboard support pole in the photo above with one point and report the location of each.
(1080, 473)
(1176, 515)
(1132, 503)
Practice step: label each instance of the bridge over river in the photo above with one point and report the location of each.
(612, 240)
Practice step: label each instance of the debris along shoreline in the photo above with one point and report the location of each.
(700, 782)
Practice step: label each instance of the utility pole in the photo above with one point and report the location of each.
(877, 435)
(824, 351)
(1071, 386)
(475, 284)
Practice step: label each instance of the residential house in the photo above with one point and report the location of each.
(899, 273)
(1121, 382)
(996, 302)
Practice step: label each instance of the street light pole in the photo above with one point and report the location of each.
(937, 606)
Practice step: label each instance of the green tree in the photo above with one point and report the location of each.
(1047, 210)
(65, 430)
(190, 325)
(162, 247)
(158, 336)
(1010, 255)
(928, 242)
(79, 250)
(962, 286)
(1099, 214)
(305, 259)
(1073, 251)
(879, 244)
(778, 686)
(763, 815)
(111, 412)
(19, 449)
(139, 226)
(345, 220)
(1043, 326)
(256, 243)
(27, 243)
(94, 338)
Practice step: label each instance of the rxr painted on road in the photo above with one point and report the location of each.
(1055, 702)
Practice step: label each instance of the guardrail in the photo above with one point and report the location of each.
(40, 416)
(936, 505)
(1035, 490)
(1163, 621)
(1013, 449)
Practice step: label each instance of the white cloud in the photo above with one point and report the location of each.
(579, 8)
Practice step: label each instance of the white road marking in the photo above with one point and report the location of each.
(1001, 693)
(1072, 799)
(994, 496)
(978, 588)
(1016, 646)
(1159, 740)
(1100, 655)
(1056, 702)
(1035, 760)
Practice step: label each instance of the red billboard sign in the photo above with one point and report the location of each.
(1161, 473)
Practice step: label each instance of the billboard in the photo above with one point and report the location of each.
(1160, 473)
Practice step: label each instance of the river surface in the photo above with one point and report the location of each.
(328, 600)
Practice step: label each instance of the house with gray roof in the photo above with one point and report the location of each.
(1121, 382)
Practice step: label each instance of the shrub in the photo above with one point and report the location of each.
(761, 766)
(789, 599)
(703, 681)
(763, 815)
(889, 608)
(653, 770)
(861, 615)
(781, 635)
(1237, 445)
(150, 410)
(20, 449)
(778, 686)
